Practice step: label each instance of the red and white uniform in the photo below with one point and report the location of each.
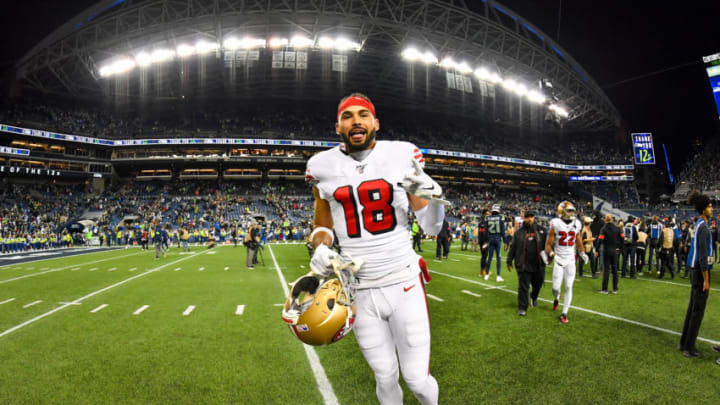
(564, 265)
(370, 212)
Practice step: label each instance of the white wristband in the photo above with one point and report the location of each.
(323, 229)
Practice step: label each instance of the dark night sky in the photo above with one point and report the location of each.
(613, 40)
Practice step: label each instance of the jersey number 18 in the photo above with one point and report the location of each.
(378, 214)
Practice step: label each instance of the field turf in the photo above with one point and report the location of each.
(199, 328)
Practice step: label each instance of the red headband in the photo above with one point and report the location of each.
(355, 100)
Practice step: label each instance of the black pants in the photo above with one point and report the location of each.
(593, 261)
(628, 257)
(640, 258)
(443, 246)
(525, 280)
(416, 242)
(654, 249)
(667, 263)
(483, 258)
(695, 311)
(611, 264)
(465, 242)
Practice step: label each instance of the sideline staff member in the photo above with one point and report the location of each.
(700, 258)
(527, 243)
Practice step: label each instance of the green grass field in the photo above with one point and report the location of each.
(84, 344)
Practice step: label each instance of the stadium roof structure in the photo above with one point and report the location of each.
(480, 63)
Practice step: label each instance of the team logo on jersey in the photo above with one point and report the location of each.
(361, 168)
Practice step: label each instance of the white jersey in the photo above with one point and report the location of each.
(565, 237)
(369, 208)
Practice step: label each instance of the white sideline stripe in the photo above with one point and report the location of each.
(98, 308)
(240, 309)
(7, 300)
(321, 379)
(471, 293)
(178, 268)
(141, 309)
(673, 283)
(630, 321)
(93, 269)
(437, 261)
(201, 269)
(455, 260)
(133, 269)
(277, 305)
(112, 269)
(428, 295)
(496, 287)
(92, 294)
(70, 303)
(90, 251)
(226, 268)
(32, 303)
(189, 310)
(75, 269)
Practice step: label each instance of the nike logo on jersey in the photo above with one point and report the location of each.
(406, 289)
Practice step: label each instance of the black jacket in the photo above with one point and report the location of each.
(518, 247)
(444, 231)
(611, 237)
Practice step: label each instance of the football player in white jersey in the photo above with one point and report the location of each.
(563, 241)
(363, 190)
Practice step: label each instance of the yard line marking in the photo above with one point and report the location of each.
(201, 269)
(226, 268)
(178, 268)
(240, 309)
(433, 297)
(112, 269)
(455, 260)
(8, 300)
(437, 261)
(30, 268)
(189, 310)
(321, 379)
(75, 269)
(93, 269)
(602, 314)
(70, 303)
(45, 268)
(43, 259)
(471, 293)
(67, 267)
(133, 269)
(32, 303)
(277, 305)
(141, 309)
(672, 282)
(92, 294)
(496, 287)
(98, 308)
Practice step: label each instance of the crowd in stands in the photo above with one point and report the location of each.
(273, 121)
(702, 170)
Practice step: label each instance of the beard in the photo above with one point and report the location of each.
(350, 148)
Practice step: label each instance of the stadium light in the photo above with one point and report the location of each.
(161, 55)
(448, 63)
(203, 47)
(509, 84)
(495, 78)
(411, 54)
(558, 110)
(536, 97)
(143, 59)
(119, 66)
(343, 44)
(299, 41)
(234, 43)
(463, 67)
(520, 89)
(482, 73)
(278, 42)
(326, 43)
(184, 50)
(429, 58)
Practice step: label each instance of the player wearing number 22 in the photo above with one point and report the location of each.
(563, 241)
(363, 190)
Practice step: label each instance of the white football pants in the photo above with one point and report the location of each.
(395, 319)
(563, 272)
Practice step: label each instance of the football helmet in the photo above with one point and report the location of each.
(566, 210)
(495, 209)
(319, 311)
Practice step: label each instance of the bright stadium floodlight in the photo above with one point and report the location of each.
(143, 59)
(326, 43)
(231, 43)
(536, 97)
(482, 73)
(463, 67)
(161, 55)
(343, 44)
(203, 47)
(117, 67)
(278, 42)
(558, 110)
(509, 84)
(429, 58)
(411, 54)
(448, 63)
(184, 50)
(250, 43)
(520, 89)
(299, 41)
(495, 78)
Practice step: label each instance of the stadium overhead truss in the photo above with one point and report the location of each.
(488, 36)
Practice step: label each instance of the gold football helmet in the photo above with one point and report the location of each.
(566, 211)
(321, 312)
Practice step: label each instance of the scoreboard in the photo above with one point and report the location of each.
(643, 148)
(712, 68)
